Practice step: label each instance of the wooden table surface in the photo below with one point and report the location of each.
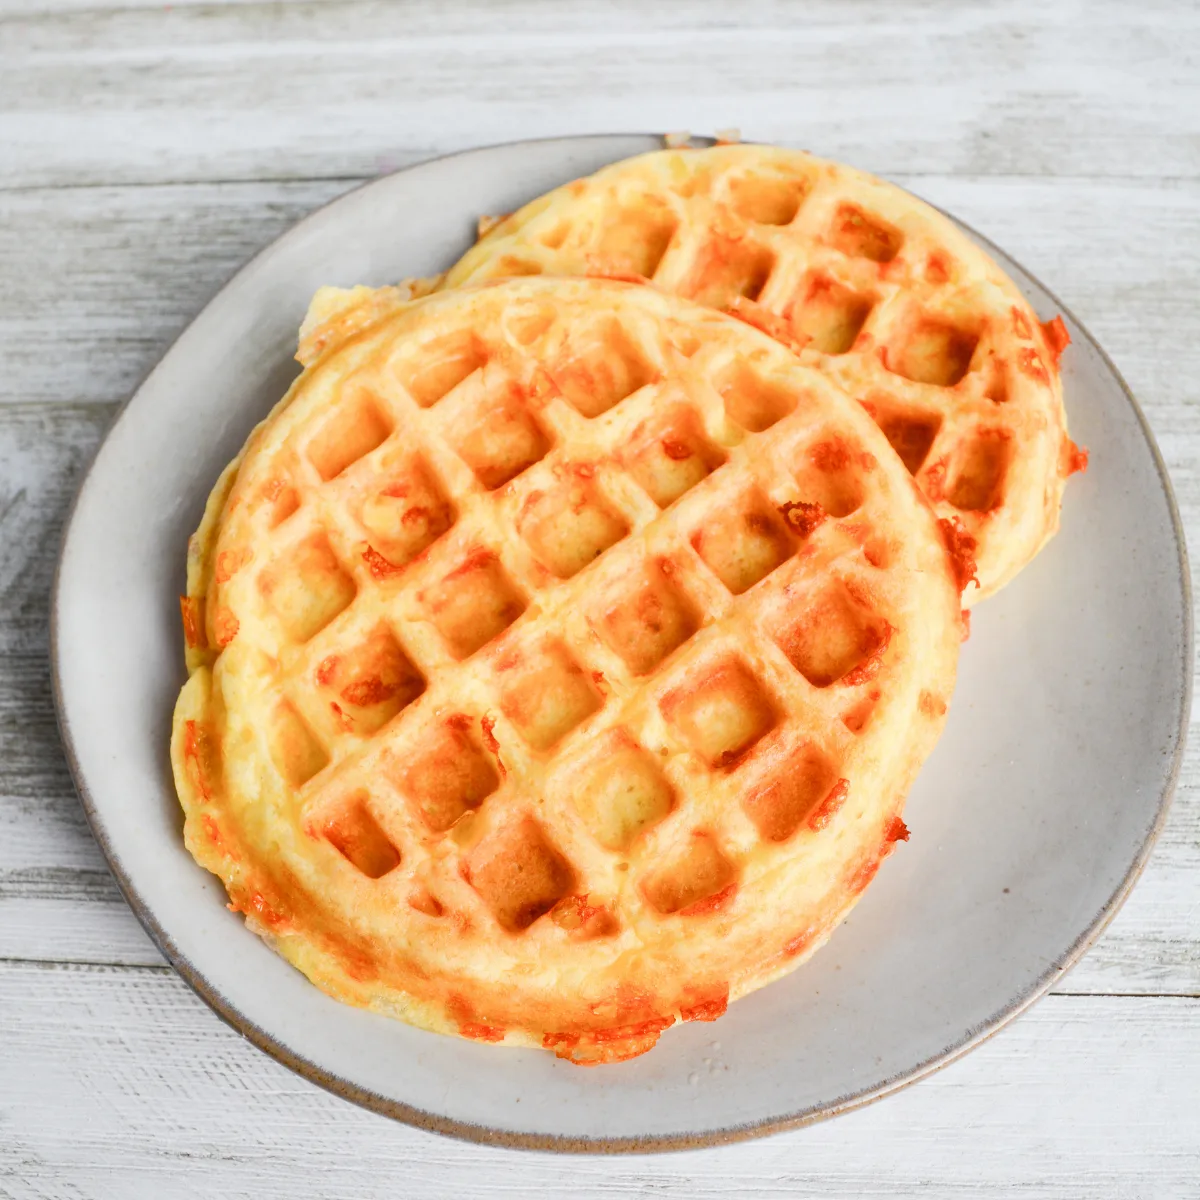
(147, 151)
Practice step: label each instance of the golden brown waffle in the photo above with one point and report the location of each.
(876, 287)
(561, 655)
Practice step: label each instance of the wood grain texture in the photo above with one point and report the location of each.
(141, 1092)
(100, 281)
(150, 150)
(124, 95)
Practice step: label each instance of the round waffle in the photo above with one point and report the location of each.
(561, 654)
(872, 285)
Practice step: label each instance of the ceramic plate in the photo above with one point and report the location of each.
(1030, 822)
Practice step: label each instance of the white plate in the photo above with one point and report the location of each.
(1029, 824)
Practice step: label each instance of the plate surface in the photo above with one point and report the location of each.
(1029, 824)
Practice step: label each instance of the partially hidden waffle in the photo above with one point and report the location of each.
(871, 284)
(561, 653)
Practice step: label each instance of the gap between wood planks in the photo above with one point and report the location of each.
(51, 964)
(910, 180)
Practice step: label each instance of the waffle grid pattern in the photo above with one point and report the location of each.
(873, 286)
(502, 560)
(558, 604)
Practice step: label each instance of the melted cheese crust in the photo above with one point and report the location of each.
(868, 283)
(561, 653)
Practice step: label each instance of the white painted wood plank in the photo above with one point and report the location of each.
(288, 91)
(120, 1084)
(56, 893)
(98, 282)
